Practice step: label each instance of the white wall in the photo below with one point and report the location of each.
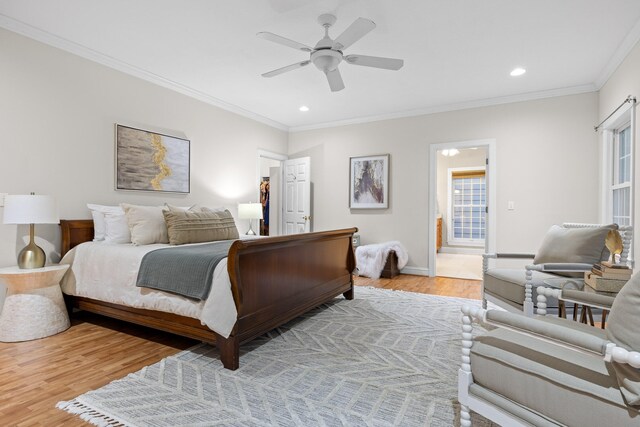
(58, 112)
(623, 82)
(547, 162)
(57, 115)
(266, 165)
(466, 158)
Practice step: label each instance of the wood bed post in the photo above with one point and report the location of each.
(229, 351)
(351, 266)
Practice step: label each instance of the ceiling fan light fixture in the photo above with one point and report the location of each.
(326, 59)
(518, 72)
(328, 53)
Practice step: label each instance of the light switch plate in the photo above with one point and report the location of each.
(2, 198)
(511, 206)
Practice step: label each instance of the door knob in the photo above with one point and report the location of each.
(306, 218)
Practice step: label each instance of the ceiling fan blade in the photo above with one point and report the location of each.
(335, 80)
(284, 41)
(355, 32)
(285, 69)
(375, 61)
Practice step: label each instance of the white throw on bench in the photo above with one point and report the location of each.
(370, 259)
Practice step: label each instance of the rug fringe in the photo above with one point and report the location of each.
(88, 414)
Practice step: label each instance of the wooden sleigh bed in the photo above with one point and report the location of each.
(273, 280)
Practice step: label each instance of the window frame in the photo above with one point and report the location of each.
(615, 169)
(623, 117)
(451, 240)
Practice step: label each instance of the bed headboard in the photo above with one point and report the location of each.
(74, 232)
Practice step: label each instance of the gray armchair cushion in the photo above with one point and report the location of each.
(584, 245)
(624, 330)
(508, 285)
(569, 387)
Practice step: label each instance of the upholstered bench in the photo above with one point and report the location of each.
(381, 259)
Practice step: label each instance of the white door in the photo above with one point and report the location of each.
(297, 196)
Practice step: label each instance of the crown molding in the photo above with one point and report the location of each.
(95, 56)
(619, 56)
(574, 90)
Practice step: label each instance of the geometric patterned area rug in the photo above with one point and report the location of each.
(386, 358)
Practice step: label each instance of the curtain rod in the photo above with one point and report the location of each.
(629, 99)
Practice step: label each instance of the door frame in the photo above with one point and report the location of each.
(265, 154)
(490, 147)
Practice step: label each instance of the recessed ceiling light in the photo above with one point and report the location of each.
(304, 108)
(518, 72)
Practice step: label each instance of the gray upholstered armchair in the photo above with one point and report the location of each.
(549, 371)
(567, 250)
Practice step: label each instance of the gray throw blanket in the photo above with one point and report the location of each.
(183, 270)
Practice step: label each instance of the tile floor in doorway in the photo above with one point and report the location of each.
(460, 266)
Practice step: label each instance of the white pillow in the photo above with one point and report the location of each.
(116, 229)
(146, 224)
(99, 226)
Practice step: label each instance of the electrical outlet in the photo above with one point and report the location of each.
(2, 195)
(511, 205)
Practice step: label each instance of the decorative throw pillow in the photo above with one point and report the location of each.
(117, 230)
(196, 227)
(111, 223)
(146, 224)
(622, 329)
(193, 208)
(574, 245)
(99, 225)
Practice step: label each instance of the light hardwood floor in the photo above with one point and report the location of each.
(35, 375)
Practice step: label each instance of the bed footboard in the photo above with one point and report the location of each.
(277, 279)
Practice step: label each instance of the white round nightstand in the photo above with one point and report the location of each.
(34, 307)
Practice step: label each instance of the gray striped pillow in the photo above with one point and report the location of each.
(203, 226)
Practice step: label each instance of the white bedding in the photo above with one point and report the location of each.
(108, 272)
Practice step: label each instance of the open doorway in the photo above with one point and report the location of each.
(461, 209)
(270, 171)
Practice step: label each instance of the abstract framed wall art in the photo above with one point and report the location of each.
(369, 182)
(149, 161)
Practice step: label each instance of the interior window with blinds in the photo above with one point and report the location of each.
(621, 183)
(468, 206)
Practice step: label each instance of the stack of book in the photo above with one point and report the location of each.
(607, 277)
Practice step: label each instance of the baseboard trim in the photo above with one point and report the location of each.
(416, 271)
(464, 251)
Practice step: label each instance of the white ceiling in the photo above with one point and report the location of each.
(457, 53)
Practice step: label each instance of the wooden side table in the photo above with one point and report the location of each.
(34, 307)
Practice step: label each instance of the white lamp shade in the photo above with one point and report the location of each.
(30, 209)
(249, 211)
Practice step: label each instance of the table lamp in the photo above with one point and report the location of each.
(31, 209)
(250, 211)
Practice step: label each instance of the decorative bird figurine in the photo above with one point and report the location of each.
(613, 242)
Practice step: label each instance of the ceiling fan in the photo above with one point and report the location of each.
(328, 54)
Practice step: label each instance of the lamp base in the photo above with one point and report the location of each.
(31, 256)
(251, 232)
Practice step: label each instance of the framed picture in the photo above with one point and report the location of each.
(149, 161)
(369, 182)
